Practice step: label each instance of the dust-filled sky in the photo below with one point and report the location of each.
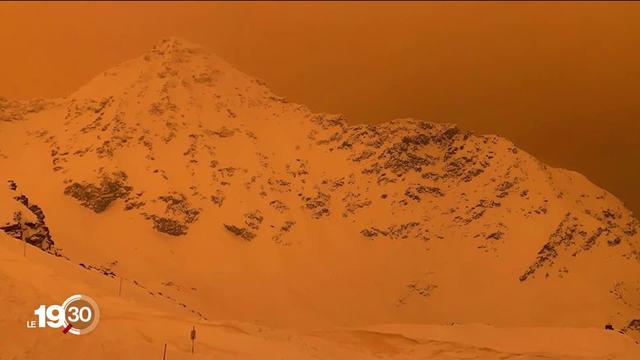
(561, 80)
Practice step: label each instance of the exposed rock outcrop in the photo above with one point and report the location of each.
(240, 232)
(563, 236)
(29, 225)
(168, 226)
(177, 216)
(98, 197)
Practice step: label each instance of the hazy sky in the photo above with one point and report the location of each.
(561, 80)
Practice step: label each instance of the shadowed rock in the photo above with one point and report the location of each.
(99, 197)
(242, 233)
(319, 205)
(168, 226)
(178, 206)
(36, 232)
(563, 236)
(253, 219)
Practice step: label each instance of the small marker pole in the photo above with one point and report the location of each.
(164, 353)
(120, 287)
(193, 339)
(24, 239)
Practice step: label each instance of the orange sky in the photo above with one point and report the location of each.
(561, 80)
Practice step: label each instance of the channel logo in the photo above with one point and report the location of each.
(78, 315)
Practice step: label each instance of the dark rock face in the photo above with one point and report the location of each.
(279, 206)
(403, 147)
(631, 228)
(328, 121)
(393, 151)
(591, 241)
(319, 205)
(477, 211)
(178, 206)
(564, 235)
(614, 242)
(405, 156)
(242, 233)
(168, 226)
(413, 192)
(633, 330)
(218, 198)
(99, 197)
(373, 232)
(36, 232)
(285, 228)
(634, 325)
(253, 219)
(14, 228)
(398, 232)
(177, 217)
(131, 205)
(402, 231)
(503, 188)
(353, 202)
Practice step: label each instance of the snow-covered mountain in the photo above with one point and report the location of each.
(195, 183)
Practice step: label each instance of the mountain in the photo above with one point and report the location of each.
(214, 199)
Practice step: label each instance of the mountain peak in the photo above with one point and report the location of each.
(172, 45)
(172, 68)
